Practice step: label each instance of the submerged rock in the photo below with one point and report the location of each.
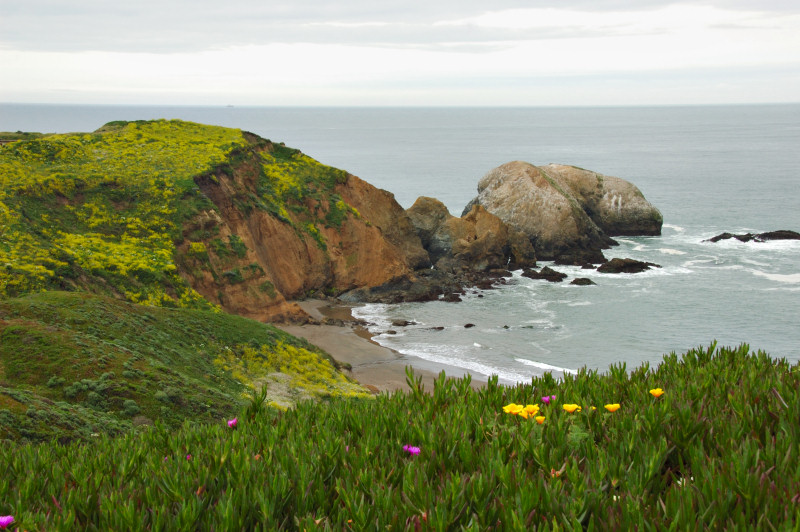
(582, 281)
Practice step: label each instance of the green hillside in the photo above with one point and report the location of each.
(75, 364)
(107, 211)
(716, 451)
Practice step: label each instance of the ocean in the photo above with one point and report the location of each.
(709, 169)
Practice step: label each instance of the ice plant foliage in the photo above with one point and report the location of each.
(729, 468)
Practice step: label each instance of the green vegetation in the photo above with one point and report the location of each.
(73, 365)
(113, 414)
(103, 211)
(716, 451)
(117, 211)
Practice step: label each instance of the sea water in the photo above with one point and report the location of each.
(709, 169)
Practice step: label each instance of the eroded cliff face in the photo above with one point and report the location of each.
(266, 242)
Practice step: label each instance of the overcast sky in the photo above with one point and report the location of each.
(410, 52)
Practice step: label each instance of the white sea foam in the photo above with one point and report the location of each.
(791, 278)
(580, 304)
(676, 228)
(670, 251)
(542, 365)
(456, 357)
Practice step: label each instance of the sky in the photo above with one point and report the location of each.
(399, 53)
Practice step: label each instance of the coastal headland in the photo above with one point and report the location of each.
(175, 214)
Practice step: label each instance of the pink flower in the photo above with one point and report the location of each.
(6, 520)
(547, 398)
(410, 449)
(188, 456)
(232, 423)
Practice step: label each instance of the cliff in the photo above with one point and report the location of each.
(173, 213)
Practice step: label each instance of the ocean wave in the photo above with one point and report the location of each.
(676, 228)
(579, 304)
(791, 278)
(455, 356)
(542, 365)
(670, 251)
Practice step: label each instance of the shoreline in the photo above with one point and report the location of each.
(377, 368)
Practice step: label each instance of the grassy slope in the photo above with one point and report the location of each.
(73, 364)
(717, 450)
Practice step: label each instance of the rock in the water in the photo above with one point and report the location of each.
(782, 234)
(546, 273)
(477, 241)
(626, 266)
(582, 281)
(566, 212)
(617, 206)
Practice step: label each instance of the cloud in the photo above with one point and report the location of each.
(163, 26)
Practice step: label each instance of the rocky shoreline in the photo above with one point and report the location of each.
(379, 369)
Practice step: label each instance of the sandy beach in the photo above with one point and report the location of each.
(378, 368)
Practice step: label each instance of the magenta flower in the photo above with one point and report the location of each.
(232, 423)
(188, 456)
(547, 398)
(410, 449)
(6, 520)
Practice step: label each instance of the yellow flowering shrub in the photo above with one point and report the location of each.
(308, 372)
(110, 203)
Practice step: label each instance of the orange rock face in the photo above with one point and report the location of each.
(257, 260)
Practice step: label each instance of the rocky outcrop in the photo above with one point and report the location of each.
(617, 206)
(781, 234)
(478, 241)
(566, 212)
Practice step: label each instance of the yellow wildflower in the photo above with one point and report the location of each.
(612, 407)
(656, 392)
(572, 408)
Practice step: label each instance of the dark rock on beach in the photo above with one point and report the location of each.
(625, 266)
(782, 234)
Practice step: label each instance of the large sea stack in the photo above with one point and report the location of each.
(569, 214)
